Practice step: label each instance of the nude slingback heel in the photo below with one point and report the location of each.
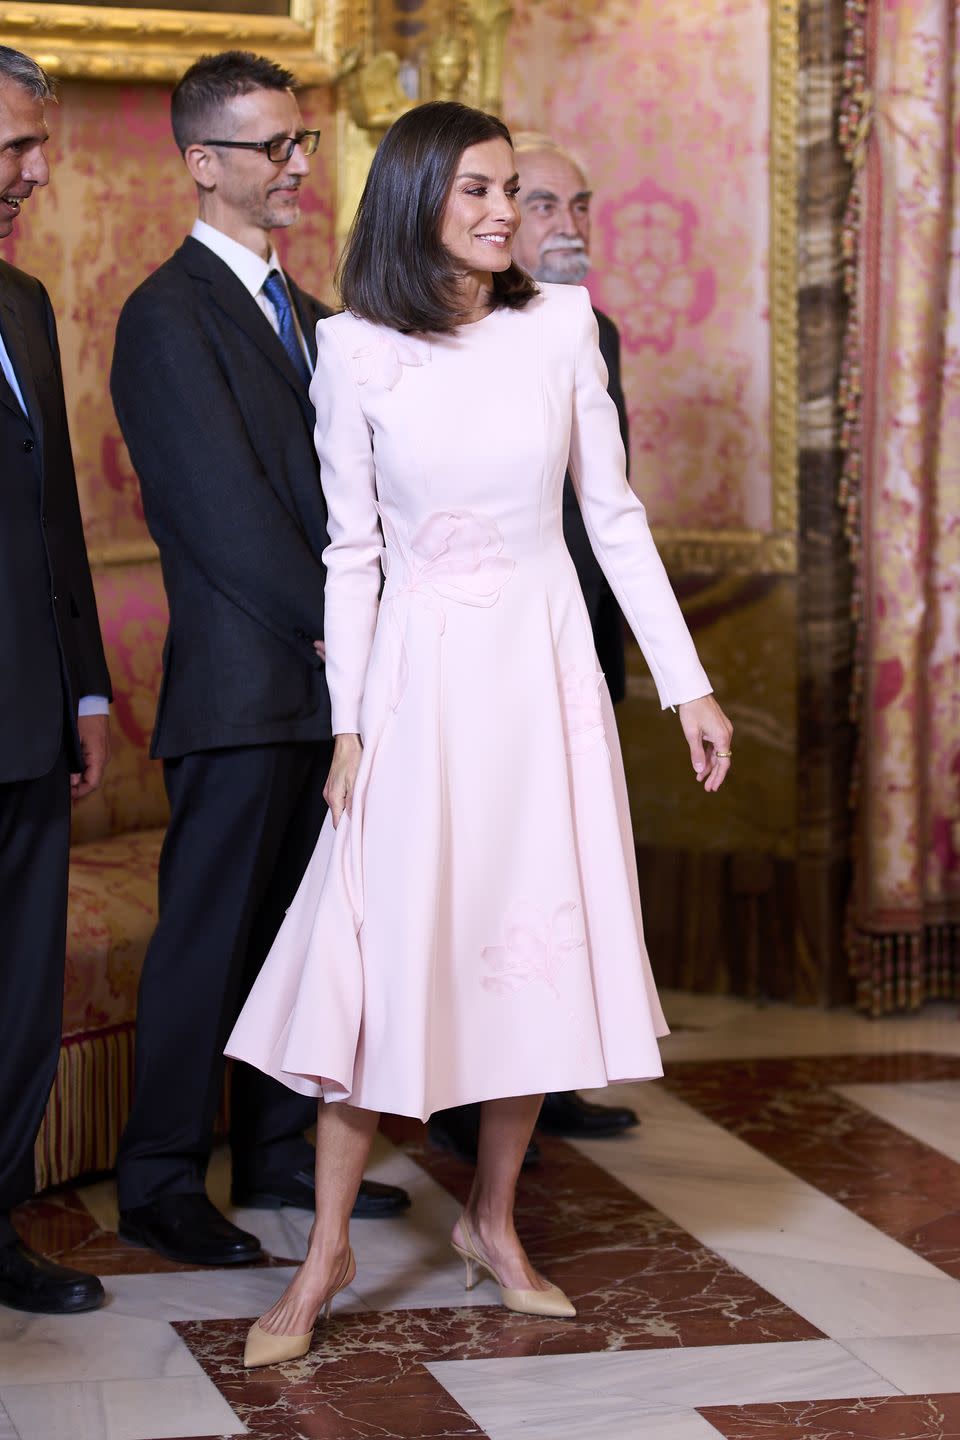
(262, 1348)
(551, 1302)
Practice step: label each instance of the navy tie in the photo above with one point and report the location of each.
(276, 292)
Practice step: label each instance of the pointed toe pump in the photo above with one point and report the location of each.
(549, 1302)
(264, 1348)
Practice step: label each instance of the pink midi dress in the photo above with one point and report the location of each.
(472, 929)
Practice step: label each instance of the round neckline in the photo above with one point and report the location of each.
(473, 324)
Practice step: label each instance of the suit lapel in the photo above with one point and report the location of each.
(16, 340)
(232, 297)
(7, 396)
(306, 317)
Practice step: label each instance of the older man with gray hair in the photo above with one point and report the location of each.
(553, 244)
(54, 691)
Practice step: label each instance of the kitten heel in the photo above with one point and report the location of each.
(550, 1301)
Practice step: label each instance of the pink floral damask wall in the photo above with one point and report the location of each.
(119, 202)
(668, 107)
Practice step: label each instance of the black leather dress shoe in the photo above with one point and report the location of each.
(374, 1201)
(29, 1281)
(459, 1131)
(567, 1113)
(188, 1228)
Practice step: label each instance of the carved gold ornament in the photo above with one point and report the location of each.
(100, 42)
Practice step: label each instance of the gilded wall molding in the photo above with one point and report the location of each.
(784, 179)
(738, 552)
(99, 42)
(123, 552)
(462, 59)
(773, 551)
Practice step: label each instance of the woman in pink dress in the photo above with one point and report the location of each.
(469, 926)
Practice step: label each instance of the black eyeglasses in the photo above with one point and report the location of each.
(279, 149)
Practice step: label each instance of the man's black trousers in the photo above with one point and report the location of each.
(243, 825)
(34, 864)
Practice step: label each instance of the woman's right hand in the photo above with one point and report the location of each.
(338, 791)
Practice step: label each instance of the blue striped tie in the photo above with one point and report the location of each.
(276, 292)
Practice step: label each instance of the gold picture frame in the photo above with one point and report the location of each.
(771, 551)
(120, 44)
(102, 42)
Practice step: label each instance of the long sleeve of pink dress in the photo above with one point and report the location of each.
(472, 929)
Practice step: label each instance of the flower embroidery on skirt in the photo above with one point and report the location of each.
(582, 710)
(535, 948)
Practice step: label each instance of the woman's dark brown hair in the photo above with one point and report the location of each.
(395, 269)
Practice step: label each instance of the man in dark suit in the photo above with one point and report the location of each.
(210, 374)
(54, 691)
(553, 245)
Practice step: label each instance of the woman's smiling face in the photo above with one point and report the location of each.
(481, 215)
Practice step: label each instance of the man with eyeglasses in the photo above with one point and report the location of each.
(213, 358)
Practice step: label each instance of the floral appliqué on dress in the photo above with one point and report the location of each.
(382, 359)
(582, 710)
(535, 949)
(453, 555)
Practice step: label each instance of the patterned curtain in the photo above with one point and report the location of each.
(902, 492)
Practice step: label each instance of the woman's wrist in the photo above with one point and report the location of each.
(346, 741)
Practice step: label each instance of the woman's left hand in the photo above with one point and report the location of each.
(709, 735)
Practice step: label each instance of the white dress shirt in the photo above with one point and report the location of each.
(251, 270)
(88, 704)
(6, 365)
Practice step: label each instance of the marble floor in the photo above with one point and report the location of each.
(773, 1255)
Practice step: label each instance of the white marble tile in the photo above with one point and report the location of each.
(704, 1012)
(101, 1201)
(35, 1349)
(678, 1142)
(416, 1287)
(8, 1430)
(831, 1266)
(657, 1425)
(237, 1294)
(928, 1110)
(916, 1364)
(512, 1397)
(731, 1197)
(420, 1238)
(535, 1410)
(785, 1221)
(850, 1302)
(120, 1410)
(283, 1233)
(740, 1029)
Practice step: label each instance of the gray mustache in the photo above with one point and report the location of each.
(562, 242)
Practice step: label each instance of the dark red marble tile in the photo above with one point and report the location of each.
(788, 1110)
(927, 1417)
(939, 1242)
(638, 1280)
(349, 1386)
(636, 1277)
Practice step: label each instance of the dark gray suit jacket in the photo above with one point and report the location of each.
(604, 611)
(51, 653)
(220, 429)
